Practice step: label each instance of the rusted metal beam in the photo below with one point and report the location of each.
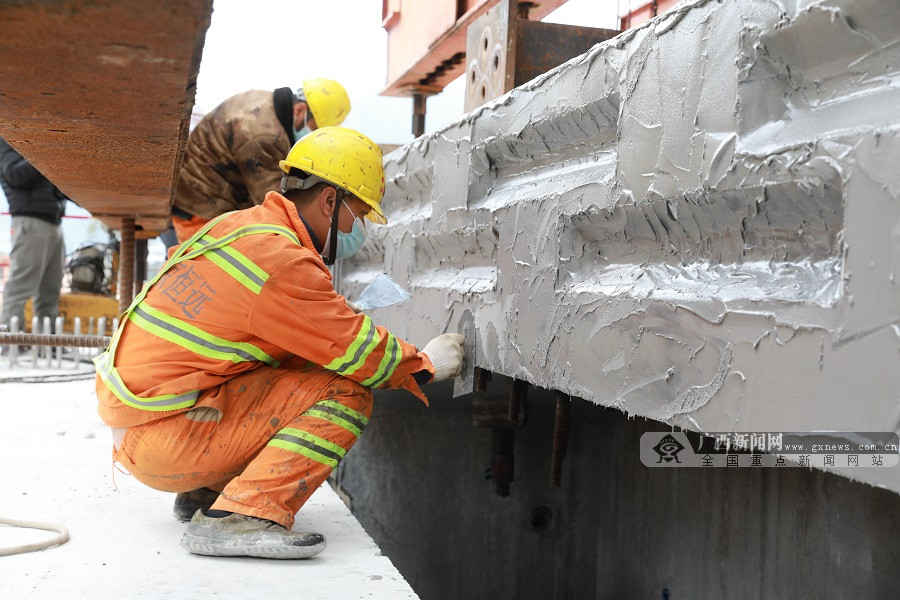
(98, 96)
(518, 393)
(427, 40)
(503, 463)
(503, 413)
(493, 409)
(140, 263)
(560, 438)
(39, 339)
(418, 119)
(504, 51)
(126, 264)
(542, 46)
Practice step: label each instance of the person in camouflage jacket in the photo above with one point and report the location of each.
(231, 157)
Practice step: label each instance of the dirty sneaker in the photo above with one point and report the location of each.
(240, 535)
(188, 503)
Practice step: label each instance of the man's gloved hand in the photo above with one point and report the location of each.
(353, 307)
(446, 353)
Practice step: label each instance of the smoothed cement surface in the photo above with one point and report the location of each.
(696, 222)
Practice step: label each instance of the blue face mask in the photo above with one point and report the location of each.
(299, 133)
(348, 244)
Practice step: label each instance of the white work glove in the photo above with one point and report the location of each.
(446, 354)
(353, 307)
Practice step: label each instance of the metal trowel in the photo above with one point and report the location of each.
(382, 292)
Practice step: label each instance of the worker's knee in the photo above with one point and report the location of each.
(351, 394)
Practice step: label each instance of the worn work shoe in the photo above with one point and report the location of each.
(240, 535)
(188, 503)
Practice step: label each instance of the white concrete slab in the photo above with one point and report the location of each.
(56, 466)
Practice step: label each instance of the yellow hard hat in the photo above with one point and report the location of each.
(328, 101)
(346, 158)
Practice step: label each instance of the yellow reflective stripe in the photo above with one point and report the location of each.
(235, 264)
(241, 268)
(340, 415)
(177, 257)
(114, 383)
(195, 339)
(286, 231)
(182, 331)
(309, 445)
(267, 228)
(182, 254)
(359, 350)
(197, 246)
(389, 362)
(321, 414)
(351, 414)
(307, 452)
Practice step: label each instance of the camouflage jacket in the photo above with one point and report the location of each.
(231, 157)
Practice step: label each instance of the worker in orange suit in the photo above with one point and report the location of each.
(239, 378)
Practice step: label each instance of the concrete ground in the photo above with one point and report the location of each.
(124, 542)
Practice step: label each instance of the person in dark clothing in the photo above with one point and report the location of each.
(38, 251)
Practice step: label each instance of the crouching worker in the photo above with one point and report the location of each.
(239, 378)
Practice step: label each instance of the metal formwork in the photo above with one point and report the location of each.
(697, 222)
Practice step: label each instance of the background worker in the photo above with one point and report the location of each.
(240, 370)
(231, 157)
(38, 251)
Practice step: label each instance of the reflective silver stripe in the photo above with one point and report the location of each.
(222, 254)
(110, 377)
(193, 338)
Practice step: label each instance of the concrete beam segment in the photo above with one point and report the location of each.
(697, 222)
(98, 96)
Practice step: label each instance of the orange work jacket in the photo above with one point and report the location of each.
(248, 290)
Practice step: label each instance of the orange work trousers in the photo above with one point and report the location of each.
(281, 434)
(185, 228)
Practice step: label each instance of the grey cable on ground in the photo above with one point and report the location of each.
(62, 533)
(61, 538)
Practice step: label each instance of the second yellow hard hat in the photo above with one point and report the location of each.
(328, 101)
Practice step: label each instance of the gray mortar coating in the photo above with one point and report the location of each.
(697, 222)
